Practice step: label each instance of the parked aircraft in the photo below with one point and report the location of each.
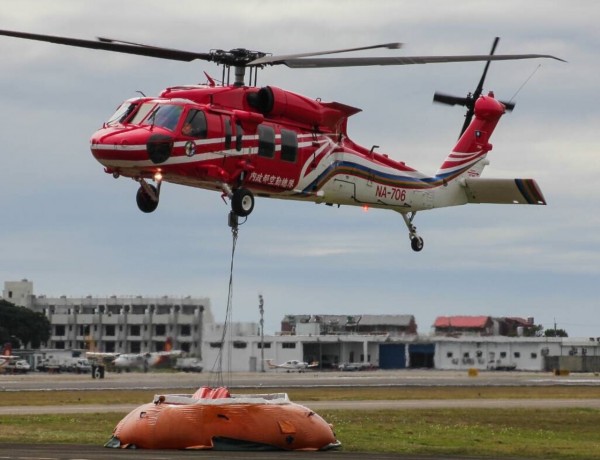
(145, 360)
(293, 365)
(6, 357)
(142, 361)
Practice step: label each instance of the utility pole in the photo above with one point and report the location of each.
(262, 332)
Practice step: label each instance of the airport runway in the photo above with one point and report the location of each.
(281, 379)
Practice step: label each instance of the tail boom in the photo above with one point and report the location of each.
(474, 144)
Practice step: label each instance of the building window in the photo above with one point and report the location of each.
(517, 354)
(266, 141)
(186, 330)
(110, 330)
(479, 353)
(533, 355)
(239, 344)
(466, 354)
(188, 310)
(59, 329)
(449, 354)
(289, 145)
(288, 345)
(215, 344)
(503, 354)
(134, 330)
(163, 310)
(160, 329)
(266, 345)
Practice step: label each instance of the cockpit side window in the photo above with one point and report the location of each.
(122, 113)
(195, 124)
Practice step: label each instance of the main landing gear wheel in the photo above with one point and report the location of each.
(145, 201)
(242, 202)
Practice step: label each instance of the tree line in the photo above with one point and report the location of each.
(22, 327)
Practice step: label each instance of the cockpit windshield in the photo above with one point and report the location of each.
(161, 115)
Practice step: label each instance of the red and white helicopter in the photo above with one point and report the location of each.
(246, 141)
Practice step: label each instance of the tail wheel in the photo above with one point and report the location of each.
(416, 243)
(242, 202)
(144, 201)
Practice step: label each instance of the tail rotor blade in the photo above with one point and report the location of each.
(448, 99)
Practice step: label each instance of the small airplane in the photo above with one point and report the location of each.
(10, 363)
(293, 365)
(245, 141)
(144, 361)
(6, 357)
(141, 361)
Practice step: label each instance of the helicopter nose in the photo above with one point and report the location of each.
(159, 148)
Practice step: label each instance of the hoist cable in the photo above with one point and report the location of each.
(217, 369)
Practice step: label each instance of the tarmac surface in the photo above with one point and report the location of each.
(78, 452)
(264, 382)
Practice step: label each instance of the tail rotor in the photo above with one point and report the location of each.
(469, 100)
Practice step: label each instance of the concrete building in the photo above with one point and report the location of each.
(117, 324)
(383, 341)
(517, 353)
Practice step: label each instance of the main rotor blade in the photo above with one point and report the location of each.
(118, 47)
(408, 60)
(285, 57)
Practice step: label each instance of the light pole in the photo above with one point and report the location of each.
(262, 332)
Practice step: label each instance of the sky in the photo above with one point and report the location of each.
(74, 230)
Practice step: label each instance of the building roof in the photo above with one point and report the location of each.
(354, 320)
(472, 322)
(387, 320)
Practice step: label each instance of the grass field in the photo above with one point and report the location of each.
(501, 433)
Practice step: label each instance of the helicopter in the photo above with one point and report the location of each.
(246, 141)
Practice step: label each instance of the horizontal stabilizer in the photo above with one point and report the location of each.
(503, 191)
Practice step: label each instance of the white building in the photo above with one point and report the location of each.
(517, 353)
(117, 324)
(241, 350)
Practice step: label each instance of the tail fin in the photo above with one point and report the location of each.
(168, 344)
(7, 349)
(473, 145)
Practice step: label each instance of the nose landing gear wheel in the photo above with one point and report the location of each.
(242, 202)
(144, 201)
